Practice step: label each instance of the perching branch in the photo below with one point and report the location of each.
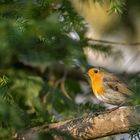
(89, 127)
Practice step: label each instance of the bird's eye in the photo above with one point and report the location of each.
(95, 71)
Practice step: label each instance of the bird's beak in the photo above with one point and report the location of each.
(86, 74)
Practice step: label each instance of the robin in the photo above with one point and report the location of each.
(108, 88)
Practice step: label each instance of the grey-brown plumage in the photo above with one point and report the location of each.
(108, 88)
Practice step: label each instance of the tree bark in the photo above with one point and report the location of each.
(88, 127)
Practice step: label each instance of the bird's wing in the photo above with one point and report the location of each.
(115, 84)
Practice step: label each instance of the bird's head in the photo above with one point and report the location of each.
(95, 73)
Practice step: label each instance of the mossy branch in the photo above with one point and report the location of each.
(122, 120)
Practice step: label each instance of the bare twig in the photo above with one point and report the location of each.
(112, 42)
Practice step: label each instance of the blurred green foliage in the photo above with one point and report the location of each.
(41, 63)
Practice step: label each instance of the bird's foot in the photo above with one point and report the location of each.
(106, 111)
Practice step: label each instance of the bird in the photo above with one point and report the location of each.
(108, 88)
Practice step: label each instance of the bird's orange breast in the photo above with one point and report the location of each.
(97, 85)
